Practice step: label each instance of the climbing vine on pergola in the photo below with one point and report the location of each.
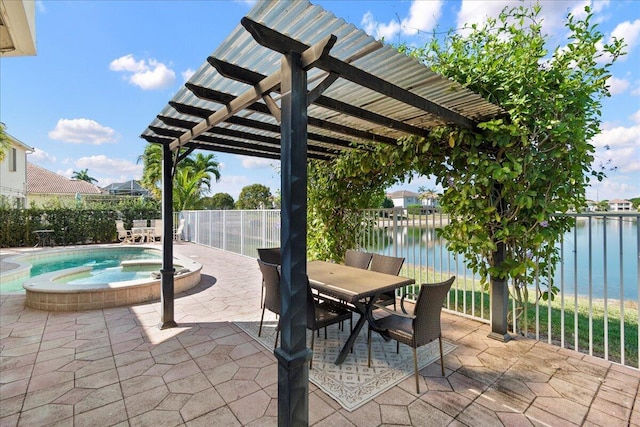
(503, 185)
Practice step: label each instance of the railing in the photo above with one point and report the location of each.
(237, 231)
(595, 310)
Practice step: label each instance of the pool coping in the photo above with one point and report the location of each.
(43, 293)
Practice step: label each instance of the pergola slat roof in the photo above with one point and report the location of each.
(362, 91)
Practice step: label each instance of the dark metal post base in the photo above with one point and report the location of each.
(293, 391)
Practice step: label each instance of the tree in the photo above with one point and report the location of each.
(218, 201)
(199, 167)
(505, 181)
(602, 206)
(5, 144)
(387, 203)
(255, 196)
(205, 164)
(83, 175)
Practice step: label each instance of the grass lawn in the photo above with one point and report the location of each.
(594, 332)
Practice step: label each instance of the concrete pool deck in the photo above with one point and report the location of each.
(115, 367)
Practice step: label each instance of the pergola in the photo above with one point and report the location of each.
(293, 82)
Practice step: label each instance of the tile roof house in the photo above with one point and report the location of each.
(44, 186)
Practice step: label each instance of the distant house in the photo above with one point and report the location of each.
(429, 200)
(404, 198)
(13, 173)
(619, 205)
(592, 205)
(129, 188)
(44, 186)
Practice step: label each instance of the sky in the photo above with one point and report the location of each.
(105, 69)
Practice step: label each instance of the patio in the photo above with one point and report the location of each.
(115, 367)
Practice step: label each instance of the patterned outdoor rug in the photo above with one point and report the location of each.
(353, 384)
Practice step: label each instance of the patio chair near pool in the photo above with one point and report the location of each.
(177, 233)
(270, 256)
(419, 328)
(124, 235)
(157, 228)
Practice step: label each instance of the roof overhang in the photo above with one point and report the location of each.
(17, 28)
(359, 90)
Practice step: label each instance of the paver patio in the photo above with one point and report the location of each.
(115, 367)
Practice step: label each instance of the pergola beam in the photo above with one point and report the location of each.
(282, 43)
(256, 124)
(312, 121)
(232, 71)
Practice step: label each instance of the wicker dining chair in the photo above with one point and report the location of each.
(357, 259)
(321, 315)
(270, 256)
(271, 280)
(389, 265)
(419, 328)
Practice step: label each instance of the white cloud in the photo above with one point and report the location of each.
(41, 156)
(258, 162)
(617, 86)
(621, 145)
(423, 16)
(82, 131)
(636, 117)
(147, 75)
(186, 75)
(104, 164)
(629, 31)
(41, 7)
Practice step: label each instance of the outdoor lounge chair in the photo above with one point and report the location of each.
(419, 328)
(124, 235)
(177, 234)
(157, 229)
(389, 265)
(271, 280)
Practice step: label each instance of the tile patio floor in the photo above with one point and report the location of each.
(115, 367)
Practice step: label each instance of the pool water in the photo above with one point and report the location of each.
(112, 274)
(105, 264)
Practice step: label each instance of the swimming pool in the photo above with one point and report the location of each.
(104, 262)
(87, 278)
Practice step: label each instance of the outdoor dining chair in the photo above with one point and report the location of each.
(357, 259)
(389, 265)
(270, 256)
(419, 328)
(271, 280)
(321, 315)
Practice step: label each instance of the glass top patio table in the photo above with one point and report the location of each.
(354, 285)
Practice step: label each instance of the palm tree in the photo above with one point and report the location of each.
(152, 168)
(204, 164)
(83, 175)
(187, 189)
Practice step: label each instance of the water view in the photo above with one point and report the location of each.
(613, 256)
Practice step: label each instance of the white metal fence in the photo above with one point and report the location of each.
(595, 310)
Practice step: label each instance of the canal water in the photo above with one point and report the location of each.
(609, 246)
